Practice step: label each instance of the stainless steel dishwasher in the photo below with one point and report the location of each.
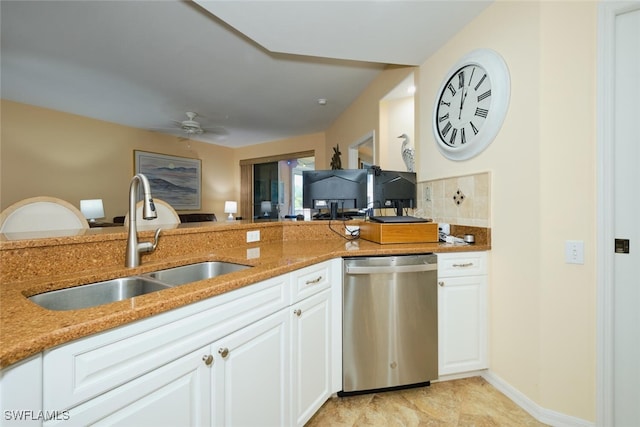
(390, 322)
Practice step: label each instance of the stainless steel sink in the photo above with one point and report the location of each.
(95, 294)
(194, 272)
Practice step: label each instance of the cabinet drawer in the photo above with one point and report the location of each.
(310, 280)
(462, 264)
(85, 368)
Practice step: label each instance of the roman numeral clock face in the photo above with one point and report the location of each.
(464, 105)
(471, 105)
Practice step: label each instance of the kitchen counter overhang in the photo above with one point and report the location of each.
(30, 267)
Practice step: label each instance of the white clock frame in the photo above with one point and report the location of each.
(498, 73)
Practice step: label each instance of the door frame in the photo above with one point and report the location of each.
(607, 13)
(352, 161)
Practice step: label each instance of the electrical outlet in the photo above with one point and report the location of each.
(427, 194)
(253, 236)
(574, 252)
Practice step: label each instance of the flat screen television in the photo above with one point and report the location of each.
(334, 190)
(394, 189)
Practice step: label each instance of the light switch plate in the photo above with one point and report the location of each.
(574, 252)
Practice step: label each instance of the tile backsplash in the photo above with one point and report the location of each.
(463, 200)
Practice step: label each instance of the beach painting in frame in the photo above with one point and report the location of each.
(176, 180)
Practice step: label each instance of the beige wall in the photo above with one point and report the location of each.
(396, 118)
(542, 165)
(363, 115)
(50, 153)
(568, 205)
(296, 144)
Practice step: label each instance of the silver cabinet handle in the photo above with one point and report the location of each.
(441, 283)
(466, 264)
(224, 351)
(313, 282)
(207, 359)
(297, 312)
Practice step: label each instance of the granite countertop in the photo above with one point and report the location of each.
(27, 329)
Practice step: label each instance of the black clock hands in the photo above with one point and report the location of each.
(464, 93)
(462, 98)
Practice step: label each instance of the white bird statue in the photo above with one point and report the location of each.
(408, 153)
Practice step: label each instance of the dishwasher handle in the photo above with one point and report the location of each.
(354, 269)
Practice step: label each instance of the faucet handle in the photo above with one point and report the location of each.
(148, 246)
(156, 237)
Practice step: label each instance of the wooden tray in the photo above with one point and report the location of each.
(423, 232)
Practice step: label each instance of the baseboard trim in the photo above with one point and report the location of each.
(543, 415)
(460, 375)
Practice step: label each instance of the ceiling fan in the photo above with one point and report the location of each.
(191, 127)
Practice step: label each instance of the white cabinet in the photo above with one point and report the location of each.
(251, 374)
(176, 394)
(89, 367)
(20, 397)
(260, 355)
(312, 344)
(462, 312)
(311, 355)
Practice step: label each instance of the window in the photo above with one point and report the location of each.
(275, 181)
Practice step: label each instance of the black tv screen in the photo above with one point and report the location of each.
(334, 189)
(394, 189)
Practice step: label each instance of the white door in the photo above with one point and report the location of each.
(462, 324)
(311, 355)
(626, 293)
(176, 394)
(251, 374)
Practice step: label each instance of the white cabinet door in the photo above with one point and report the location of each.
(311, 355)
(177, 394)
(251, 374)
(20, 393)
(462, 324)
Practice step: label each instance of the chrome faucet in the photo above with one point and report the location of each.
(134, 249)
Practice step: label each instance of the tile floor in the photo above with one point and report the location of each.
(463, 402)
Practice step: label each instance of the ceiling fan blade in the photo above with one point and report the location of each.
(216, 130)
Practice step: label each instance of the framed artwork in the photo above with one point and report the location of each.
(176, 180)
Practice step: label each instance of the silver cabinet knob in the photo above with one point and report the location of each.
(208, 359)
(224, 351)
(297, 312)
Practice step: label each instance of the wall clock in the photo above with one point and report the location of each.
(471, 104)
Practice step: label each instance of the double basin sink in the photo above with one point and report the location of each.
(95, 294)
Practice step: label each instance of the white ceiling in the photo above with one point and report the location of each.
(257, 68)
